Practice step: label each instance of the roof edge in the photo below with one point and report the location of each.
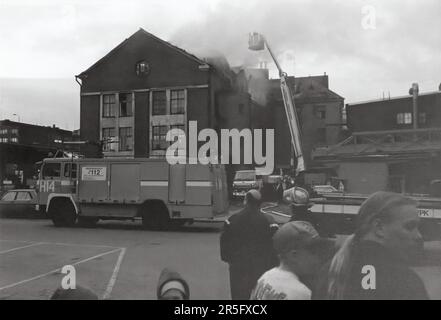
(394, 98)
(168, 44)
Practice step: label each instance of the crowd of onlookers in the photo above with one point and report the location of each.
(292, 261)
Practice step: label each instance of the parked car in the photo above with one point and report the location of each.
(245, 180)
(19, 203)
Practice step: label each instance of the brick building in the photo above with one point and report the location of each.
(395, 113)
(22, 145)
(320, 110)
(145, 86)
(387, 150)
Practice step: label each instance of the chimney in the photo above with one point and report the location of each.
(325, 80)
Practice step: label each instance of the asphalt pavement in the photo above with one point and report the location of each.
(121, 260)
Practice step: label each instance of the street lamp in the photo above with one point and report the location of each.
(257, 42)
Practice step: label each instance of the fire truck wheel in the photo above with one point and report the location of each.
(63, 213)
(155, 216)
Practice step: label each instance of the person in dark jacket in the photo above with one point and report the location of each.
(246, 245)
(171, 286)
(373, 263)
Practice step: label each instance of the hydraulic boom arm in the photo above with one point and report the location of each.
(291, 114)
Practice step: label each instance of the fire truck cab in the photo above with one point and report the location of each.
(87, 190)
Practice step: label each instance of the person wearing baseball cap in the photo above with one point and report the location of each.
(171, 286)
(300, 250)
(246, 245)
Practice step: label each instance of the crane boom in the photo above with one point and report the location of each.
(258, 42)
(293, 122)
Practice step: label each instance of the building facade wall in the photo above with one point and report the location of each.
(142, 118)
(34, 135)
(170, 70)
(167, 67)
(382, 115)
(22, 145)
(320, 123)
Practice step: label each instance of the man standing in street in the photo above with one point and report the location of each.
(246, 245)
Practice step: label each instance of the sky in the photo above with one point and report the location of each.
(367, 47)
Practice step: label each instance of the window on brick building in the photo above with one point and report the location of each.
(159, 134)
(159, 103)
(142, 68)
(182, 138)
(320, 112)
(125, 139)
(404, 118)
(108, 139)
(177, 101)
(109, 105)
(125, 105)
(178, 126)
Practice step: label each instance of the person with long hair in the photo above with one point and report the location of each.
(373, 263)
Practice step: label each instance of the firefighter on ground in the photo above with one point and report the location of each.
(299, 203)
(246, 245)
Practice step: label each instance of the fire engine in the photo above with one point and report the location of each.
(88, 190)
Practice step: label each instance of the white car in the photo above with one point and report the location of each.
(19, 203)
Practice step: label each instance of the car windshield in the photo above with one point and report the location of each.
(24, 196)
(10, 196)
(245, 175)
